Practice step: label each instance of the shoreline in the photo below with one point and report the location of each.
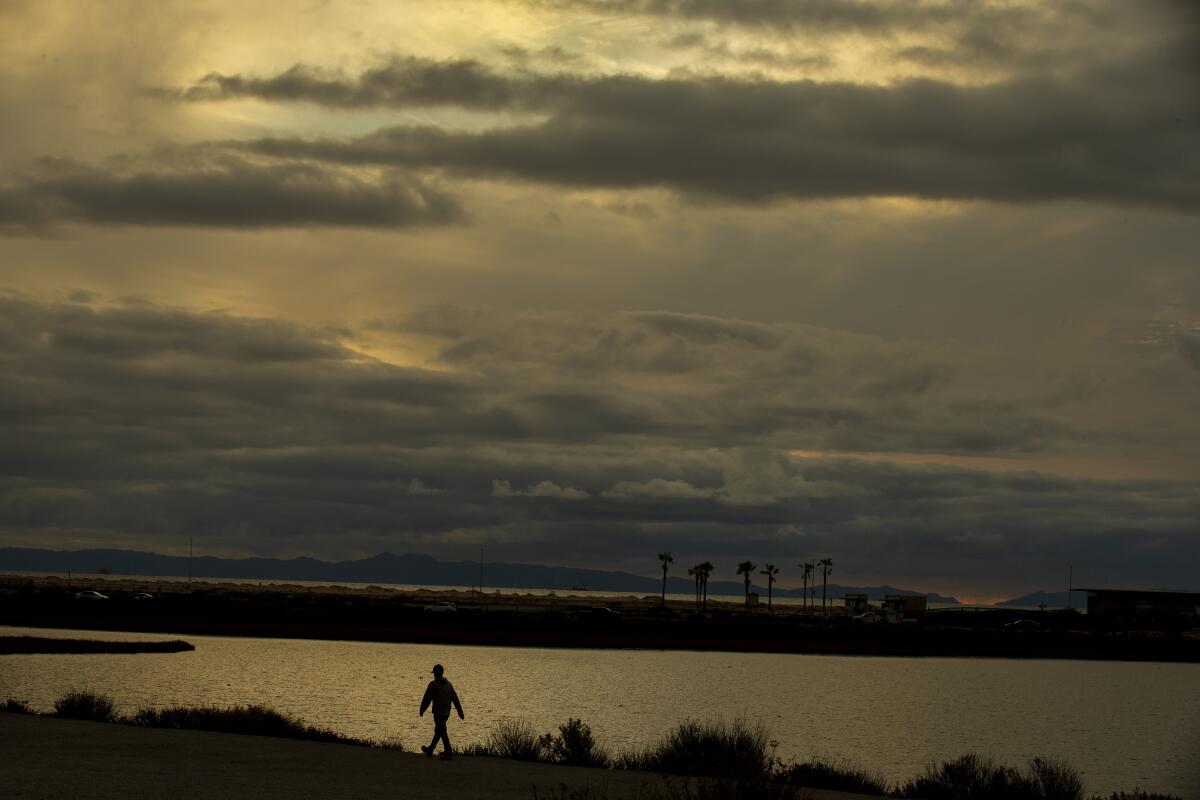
(383, 615)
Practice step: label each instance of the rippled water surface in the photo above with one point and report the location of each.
(1122, 724)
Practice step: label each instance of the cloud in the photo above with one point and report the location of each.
(1189, 347)
(418, 487)
(401, 81)
(823, 15)
(1103, 137)
(228, 193)
(130, 424)
(552, 489)
(544, 489)
(659, 487)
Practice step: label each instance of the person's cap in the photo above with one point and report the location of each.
(437, 669)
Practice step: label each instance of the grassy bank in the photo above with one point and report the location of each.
(718, 759)
(25, 645)
(253, 720)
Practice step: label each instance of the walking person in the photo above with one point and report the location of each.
(441, 693)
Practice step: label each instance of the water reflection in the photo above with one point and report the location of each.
(1122, 724)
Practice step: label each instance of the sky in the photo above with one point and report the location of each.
(912, 285)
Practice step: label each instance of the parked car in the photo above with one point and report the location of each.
(870, 618)
(441, 607)
(603, 612)
(142, 596)
(90, 595)
(1023, 623)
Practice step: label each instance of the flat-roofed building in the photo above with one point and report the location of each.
(1141, 607)
(855, 603)
(905, 606)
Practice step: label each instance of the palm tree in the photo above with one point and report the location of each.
(808, 569)
(665, 558)
(770, 570)
(745, 568)
(696, 573)
(705, 570)
(826, 568)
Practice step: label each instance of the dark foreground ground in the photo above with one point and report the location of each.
(47, 758)
(378, 614)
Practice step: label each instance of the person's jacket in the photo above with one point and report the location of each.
(441, 693)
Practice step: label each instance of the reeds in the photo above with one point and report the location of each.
(252, 720)
(574, 745)
(980, 778)
(838, 776)
(718, 760)
(79, 704)
(510, 739)
(735, 749)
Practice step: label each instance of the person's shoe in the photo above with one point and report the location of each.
(447, 755)
(427, 750)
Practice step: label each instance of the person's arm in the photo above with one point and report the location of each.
(457, 705)
(426, 699)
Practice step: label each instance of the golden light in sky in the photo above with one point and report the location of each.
(794, 276)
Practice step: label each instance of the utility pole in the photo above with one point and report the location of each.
(481, 570)
(826, 568)
(1070, 587)
(189, 563)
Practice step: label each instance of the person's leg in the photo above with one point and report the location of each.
(439, 732)
(439, 728)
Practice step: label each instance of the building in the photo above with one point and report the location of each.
(1142, 608)
(905, 606)
(855, 603)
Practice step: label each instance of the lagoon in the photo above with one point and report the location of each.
(1122, 724)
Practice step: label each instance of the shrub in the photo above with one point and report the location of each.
(838, 777)
(510, 739)
(979, 778)
(970, 776)
(16, 707)
(574, 745)
(1055, 780)
(729, 750)
(77, 704)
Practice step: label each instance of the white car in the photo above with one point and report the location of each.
(871, 618)
(441, 607)
(90, 595)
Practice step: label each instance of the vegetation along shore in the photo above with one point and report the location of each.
(709, 760)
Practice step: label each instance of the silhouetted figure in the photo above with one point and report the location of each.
(441, 693)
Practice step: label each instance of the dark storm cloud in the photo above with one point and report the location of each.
(399, 83)
(1189, 347)
(134, 424)
(1125, 138)
(232, 193)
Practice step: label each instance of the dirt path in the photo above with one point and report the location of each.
(53, 758)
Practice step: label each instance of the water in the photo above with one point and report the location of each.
(1121, 724)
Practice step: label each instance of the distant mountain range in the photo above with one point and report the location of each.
(1049, 600)
(390, 568)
